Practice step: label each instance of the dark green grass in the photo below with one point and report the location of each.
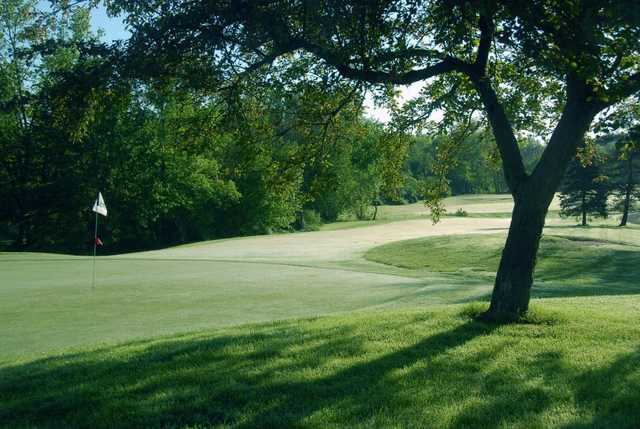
(579, 368)
(567, 266)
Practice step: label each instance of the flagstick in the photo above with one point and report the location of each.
(95, 244)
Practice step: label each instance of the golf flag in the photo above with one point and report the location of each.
(99, 206)
(99, 242)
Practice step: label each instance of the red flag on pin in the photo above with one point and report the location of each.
(98, 241)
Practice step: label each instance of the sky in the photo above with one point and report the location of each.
(114, 29)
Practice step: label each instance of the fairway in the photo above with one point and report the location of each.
(348, 214)
(47, 304)
(224, 333)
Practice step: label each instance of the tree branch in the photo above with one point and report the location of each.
(574, 123)
(486, 38)
(447, 65)
(625, 89)
(514, 170)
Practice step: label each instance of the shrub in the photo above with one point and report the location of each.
(312, 220)
(461, 213)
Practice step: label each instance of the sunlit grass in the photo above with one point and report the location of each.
(411, 369)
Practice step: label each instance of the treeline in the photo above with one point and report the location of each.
(174, 167)
(178, 165)
(178, 162)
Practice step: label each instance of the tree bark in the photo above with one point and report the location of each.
(628, 190)
(584, 208)
(511, 292)
(532, 196)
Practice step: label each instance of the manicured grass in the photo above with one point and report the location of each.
(48, 304)
(393, 354)
(46, 301)
(348, 224)
(578, 368)
(567, 265)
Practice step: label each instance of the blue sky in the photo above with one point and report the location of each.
(113, 27)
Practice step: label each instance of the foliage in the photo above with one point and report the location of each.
(585, 189)
(461, 213)
(468, 166)
(623, 125)
(175, 164)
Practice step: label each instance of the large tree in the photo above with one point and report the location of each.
(552, 62)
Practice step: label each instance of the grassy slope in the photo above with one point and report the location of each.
(415, 368)
(483, 205)
(432, 368)
(568, 265)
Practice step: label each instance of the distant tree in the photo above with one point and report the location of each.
(623, 124)
(626, 191)
(38, 178)
(584, 190)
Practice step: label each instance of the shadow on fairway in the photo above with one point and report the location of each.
(619, 383)
(283, 376)
(613, 272)
(247, 381)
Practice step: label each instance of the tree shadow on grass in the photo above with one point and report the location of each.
(277, 378)
(612, 272)
(607, 272)
(321, 376)
(360, 390)
(603, 397)
(611, 393)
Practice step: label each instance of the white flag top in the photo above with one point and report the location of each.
(99, 206)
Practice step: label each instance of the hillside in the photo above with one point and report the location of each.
(576, 365)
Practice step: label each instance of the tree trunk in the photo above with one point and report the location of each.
(627, 195)
(511, 292)
(532, 196)
(584, 208)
